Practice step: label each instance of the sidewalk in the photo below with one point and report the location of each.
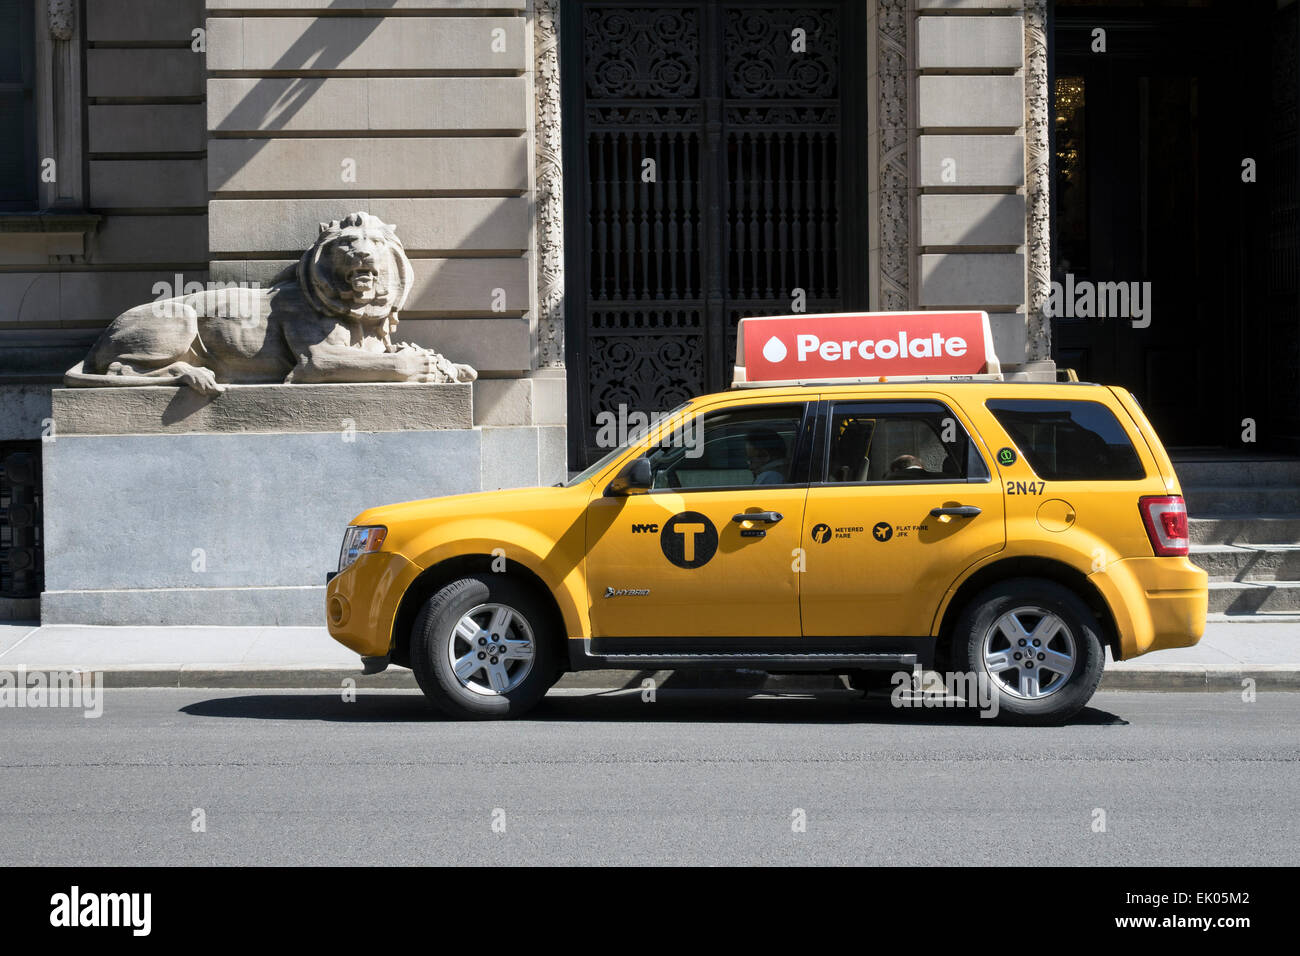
(1268, 652)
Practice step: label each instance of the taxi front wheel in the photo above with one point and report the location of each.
(1034, 643)
(481, 648)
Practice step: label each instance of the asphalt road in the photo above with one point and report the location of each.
(287, 777)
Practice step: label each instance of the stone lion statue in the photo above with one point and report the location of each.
(329, 319)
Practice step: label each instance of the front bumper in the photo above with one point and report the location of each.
(361, 602)
(1158, 603)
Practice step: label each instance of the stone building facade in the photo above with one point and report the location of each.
(443, 117)
(170, 142)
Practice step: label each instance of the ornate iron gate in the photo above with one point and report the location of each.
(708, 146)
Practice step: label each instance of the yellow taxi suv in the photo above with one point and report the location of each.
(872, 496)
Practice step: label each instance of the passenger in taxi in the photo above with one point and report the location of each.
(766, 454)
(904, 467)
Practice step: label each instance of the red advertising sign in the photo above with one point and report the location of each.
(865, 345)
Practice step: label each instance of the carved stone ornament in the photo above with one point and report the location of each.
(1038, 272)
(62, 16)
(550, 186)
(328, 319)
(894, 182)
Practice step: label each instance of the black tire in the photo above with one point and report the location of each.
(1032, 601)
(434, 630)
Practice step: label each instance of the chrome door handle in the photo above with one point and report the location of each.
(771, 517)
(961, 511)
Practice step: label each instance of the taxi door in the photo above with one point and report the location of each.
(709, 551)
(900, 504)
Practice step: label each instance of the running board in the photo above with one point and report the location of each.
(760, 662)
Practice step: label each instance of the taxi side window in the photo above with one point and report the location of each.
(898, 442)
(734, 447)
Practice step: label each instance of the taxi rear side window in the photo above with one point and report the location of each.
(1069, 440)
(886, 441)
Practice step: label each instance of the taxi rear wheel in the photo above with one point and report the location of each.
(1036, 644)
(481, 648)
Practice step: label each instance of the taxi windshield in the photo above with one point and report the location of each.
(637, 435)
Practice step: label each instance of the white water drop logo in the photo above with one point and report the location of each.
(775, 350)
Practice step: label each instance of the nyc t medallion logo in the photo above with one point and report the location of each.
(689, 539)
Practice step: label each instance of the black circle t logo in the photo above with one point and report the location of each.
(689, 539)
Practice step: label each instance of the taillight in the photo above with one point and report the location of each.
(1166, 519)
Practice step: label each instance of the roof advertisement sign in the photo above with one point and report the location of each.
(864, 345)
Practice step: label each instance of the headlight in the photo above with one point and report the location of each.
(359, 540)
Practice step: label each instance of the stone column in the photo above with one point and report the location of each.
(980, 226)
(59, 104)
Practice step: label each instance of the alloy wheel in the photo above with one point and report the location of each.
(1029, 652)
(491, 649)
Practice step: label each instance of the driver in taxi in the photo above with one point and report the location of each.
(765, 452)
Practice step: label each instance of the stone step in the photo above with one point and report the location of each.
(1225, 562)
(1250, 597)
(1245, 529)
(1252, 501)
(1235, 473)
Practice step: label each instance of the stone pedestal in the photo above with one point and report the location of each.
(166, 508)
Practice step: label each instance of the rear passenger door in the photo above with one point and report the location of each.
(901, 501)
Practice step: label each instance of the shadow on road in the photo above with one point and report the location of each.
(697, 706)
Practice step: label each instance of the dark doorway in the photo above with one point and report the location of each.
(713, 169)
(1151, 135)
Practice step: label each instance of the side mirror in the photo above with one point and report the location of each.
(635, 478)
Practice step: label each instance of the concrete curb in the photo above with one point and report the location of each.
(1184, 677)
(1265, 617)
(1192, 677)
